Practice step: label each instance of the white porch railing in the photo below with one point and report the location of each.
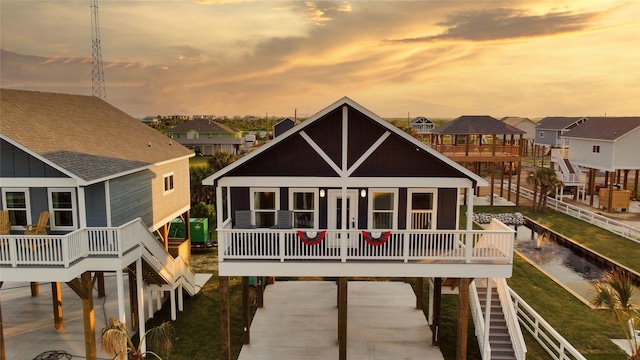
(458, 246)
(556, 345)
(616, 227)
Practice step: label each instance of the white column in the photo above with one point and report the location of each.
(140, 290)
(122, 312)
(150, 300)
(107, 201)
(470, 196)
(431, 294)
(172, 298)
(487, 318)
(82, 208)
(180, 298)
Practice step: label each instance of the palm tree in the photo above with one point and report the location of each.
(115, 341)
(614, 291)
(544, 181)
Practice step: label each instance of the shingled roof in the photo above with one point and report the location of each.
(83, 135)
(476, 124)
(557, 122)
(202, 126)
(604, 128)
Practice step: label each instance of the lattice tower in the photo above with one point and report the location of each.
(97, 74)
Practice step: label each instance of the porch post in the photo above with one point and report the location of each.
(140, 295)
(120, 294)
(225, 332)
(437, 304)
(419, 293)
(56, 295)
(35, 289)
(101, 291)
(246, 335)
(493, 179)
(463, 319)
(635, 184)
(471, 193)
(133, 300)
(84, 289)
(260, 292)
(342, 318)
(610, 199)
(3, 354)
(592, 180)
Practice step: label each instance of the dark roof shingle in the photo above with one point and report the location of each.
(476, 124)
(604, 128)
(557, 122)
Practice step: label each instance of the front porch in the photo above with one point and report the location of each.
(413, 253)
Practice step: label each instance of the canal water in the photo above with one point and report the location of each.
(562, 264)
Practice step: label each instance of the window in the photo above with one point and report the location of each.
(596, 148)
(383, 209)
(303, 204)
(168, 183)
(421, 209)
(264, 206)
(16, 202)
(62, 207)
(542, 134)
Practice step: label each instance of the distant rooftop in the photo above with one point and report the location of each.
(605, 128)
(476, 124)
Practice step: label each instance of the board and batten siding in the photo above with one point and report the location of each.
(95, 205)
(15, 162)
(141, 195)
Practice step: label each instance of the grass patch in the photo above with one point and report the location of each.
(197, 161)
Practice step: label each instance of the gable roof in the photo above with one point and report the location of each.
(604, 128)
(422, 120)
(514, 120)
(478, 125)
(82, 136)
(202, 126)
(557, 122)
(309, 126)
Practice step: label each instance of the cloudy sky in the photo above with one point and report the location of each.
(436, 59)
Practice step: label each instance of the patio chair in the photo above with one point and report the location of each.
(284, 220)
(5, 226)
(243, 219)
(41, 227)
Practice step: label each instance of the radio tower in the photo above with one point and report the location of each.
(97, 75)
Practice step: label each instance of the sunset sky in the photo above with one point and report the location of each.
(439, 59)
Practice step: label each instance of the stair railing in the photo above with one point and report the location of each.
(478, 321)
(511, 317)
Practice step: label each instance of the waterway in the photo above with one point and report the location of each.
(562, 264)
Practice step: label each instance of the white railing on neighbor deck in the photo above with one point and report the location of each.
(495, 244)
(616, 227)
(556, 345)
(511, 317)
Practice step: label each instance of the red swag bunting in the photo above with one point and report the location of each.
(311, 240)
(384, 236)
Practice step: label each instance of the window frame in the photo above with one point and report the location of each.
(595, 149)
(371, 211)
(166, 176)
(316, 199)
(27, 205)
(74, 209)
(252, 205)
(433, 211)
(541, 134)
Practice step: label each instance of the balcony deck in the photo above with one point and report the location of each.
(479, 153)
(449, 253)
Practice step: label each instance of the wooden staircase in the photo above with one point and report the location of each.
(499, 338)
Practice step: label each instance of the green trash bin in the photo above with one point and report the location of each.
(199, 231)
(176, 229)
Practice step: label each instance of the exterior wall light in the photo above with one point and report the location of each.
(322, 193)
(363, 193)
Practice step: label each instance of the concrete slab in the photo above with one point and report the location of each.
(300, 321)
(28, 321)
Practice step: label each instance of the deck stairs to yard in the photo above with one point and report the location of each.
(569, 173)
(505, 338)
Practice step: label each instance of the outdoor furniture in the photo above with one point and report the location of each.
(243, 219)
(41, 227)
(284, 219)
(5, 226)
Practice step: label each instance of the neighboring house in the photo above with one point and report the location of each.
(111, 184)
(528, 126)
(422, 126)
(607, 144)
(550, 130)
(151, 121)
(344, 194)
(206, 137)
(282, 126)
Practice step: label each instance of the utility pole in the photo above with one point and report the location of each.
(97, 74)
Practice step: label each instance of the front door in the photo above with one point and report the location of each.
(335, 208)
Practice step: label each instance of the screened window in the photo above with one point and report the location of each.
(421, 209)
(168, 183)
(383, 207)
(16, 202)
(596, 148)
(264, 207)
(62, 209)
(304, 208)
